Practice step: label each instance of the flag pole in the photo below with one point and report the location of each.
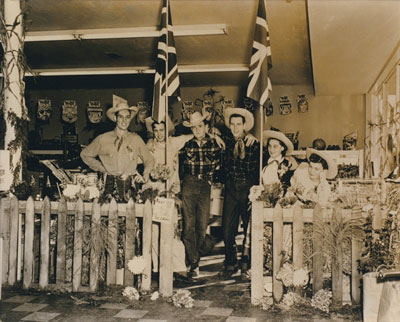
(261, 141)
(166, 95)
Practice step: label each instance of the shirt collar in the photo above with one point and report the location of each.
(278, 159)
(202, 141)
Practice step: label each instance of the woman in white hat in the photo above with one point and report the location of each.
(309, 180)
(278, 167)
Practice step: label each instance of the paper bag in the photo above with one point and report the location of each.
(389, 308)
(371, 294)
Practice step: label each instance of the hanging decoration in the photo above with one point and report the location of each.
(188, 109)
(269, 108)
(69, 111)
(44, 109)
(285, 106)
(94, 112)
(227, 103)
(350, 141)
(302, 103)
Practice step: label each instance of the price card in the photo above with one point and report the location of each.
(163, 210)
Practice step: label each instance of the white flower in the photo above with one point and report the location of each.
(71, 190)
(182, 298)
(131, 293)
(154, 296)
(285, 274)
(90, 192)
(137, 265)
(300, 277)
(255, 192)
(268, 288)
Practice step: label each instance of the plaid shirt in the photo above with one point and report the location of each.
(201, 160)
(246, 169)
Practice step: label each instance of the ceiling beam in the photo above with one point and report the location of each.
(138, 70)
(115, 33)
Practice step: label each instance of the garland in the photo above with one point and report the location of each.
(19, 123)
(393, 126)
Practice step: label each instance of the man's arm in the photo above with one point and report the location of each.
(147, 158)
(89, 156)
(180, 141)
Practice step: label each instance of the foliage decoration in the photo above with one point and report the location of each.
(14, 59)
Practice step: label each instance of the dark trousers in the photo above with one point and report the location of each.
(196, 210)
(236, 207)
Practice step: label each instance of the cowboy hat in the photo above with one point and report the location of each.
(149, 122)
(332, 167)
(195, 119)
(281, 137)
(111, 112)
(248, 117)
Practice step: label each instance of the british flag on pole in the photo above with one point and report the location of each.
(260, 62)
(166, 83)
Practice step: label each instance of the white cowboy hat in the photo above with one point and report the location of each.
(195, 119)
(149, 122)
(249, 118)
(332, 167)
(111, 112)
(269, 134)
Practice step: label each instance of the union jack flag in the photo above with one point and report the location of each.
(165, 85)
(259, 82)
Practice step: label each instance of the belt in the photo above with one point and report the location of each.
(202, 177)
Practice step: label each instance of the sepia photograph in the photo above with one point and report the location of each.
(145, 176)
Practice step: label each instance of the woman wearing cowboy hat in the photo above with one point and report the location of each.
(278, 167)
(309, 180)
(116, 154)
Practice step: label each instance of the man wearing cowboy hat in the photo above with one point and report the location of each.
(116, 153)
(201, 157)
(241, 164)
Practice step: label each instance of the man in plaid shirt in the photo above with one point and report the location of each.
(241, 165)
(201, 158)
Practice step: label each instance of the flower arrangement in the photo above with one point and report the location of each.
(161, 172)
(182, 298)
(322, 300)
(269, 194)
(381, 247)
(131, 293)
(136, 266)
(295, 282)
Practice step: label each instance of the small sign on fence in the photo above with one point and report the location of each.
(163, 210)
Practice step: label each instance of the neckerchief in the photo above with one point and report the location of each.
(118, 141)
(239, 150)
